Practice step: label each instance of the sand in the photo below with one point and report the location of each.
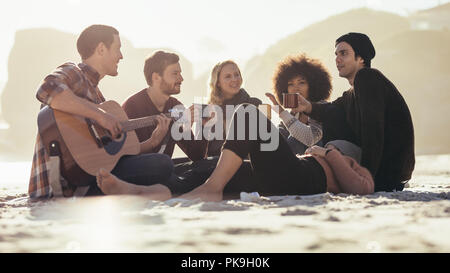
(414, 220)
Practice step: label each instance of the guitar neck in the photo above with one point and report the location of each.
(138, 123)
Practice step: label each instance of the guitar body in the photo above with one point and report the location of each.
(72, 138)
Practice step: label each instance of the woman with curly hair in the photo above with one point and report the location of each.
(308, 77)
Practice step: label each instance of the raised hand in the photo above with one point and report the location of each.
(304, 106)
(278, 107)
(195, 115)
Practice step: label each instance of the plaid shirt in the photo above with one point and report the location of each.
(82, 80)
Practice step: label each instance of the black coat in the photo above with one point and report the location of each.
(374, 116)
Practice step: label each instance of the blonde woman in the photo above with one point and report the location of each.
(225, 89)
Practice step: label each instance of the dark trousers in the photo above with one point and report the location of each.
(277, 172)
(143, 169)
(188, 175)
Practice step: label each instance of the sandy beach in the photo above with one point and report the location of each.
(414, 220)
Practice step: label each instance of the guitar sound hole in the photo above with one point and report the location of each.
(106, 140)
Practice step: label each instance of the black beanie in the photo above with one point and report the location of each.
(361, 44)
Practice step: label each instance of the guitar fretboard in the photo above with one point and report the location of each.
(137, 123)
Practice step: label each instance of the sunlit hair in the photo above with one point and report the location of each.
(92, 36)
(314, 72)
(215, 93)
(157, 63)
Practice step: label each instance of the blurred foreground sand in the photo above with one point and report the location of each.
(414, 220)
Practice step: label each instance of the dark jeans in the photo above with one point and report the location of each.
(277, 172)
(143, 169)
(188, 175)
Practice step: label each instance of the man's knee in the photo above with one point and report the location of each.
(164, 162)
(160, 164)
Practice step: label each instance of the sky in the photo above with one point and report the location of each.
(204, 31)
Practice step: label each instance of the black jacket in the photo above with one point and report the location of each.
(376, 116)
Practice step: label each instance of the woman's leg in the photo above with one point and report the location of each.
(281, 172)
(189, 176)
(212, 189)
(268, 163)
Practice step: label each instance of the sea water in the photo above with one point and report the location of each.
(14, 173)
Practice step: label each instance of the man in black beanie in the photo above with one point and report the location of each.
(372, 114)
(349, 64)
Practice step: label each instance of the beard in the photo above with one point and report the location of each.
(169, 89)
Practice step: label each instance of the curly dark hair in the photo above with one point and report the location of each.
(315, 73)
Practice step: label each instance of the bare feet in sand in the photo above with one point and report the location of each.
(205, 192)
(110, 184)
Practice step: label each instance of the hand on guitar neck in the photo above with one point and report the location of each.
(158, 134)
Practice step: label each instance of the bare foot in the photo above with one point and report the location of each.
(205, 193)
(110, 184)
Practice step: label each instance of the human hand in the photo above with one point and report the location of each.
(161, 129)
(272, 98)
(316, 150)
(212, 115)
(110, 123)
(304, 106)
(196, 115)
(330, 146)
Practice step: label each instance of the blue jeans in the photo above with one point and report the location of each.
(143, 169)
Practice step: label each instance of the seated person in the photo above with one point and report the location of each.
(372, 114)
(309, 78)
(225, 89)
(162, 72)
(73, 89)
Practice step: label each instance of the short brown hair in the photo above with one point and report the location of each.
(314, 72)
(157, 63)
(92, 36)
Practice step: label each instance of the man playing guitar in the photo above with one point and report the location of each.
(73, 89)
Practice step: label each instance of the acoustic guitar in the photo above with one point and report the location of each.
(84, 146)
